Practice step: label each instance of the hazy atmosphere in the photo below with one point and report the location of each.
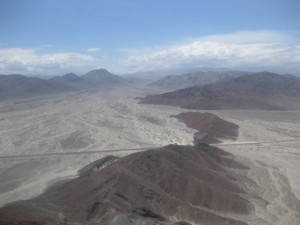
(52, 37)
(135, 112)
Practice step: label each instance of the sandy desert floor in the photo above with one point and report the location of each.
(78, 122)
(268, 143)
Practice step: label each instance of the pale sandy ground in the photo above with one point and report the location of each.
(114, 120)
(76, 122)
(274, 166)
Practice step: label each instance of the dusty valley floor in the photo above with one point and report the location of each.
(42, 141)
(269, 143)
(108, 121)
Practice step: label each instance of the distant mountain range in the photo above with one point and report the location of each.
(19, 85)
(196, 78)
(204, 90)
(263, 91)
(195, 183)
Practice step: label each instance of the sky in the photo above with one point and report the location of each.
(53, 37)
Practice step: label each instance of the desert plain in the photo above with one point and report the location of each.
(46, 140)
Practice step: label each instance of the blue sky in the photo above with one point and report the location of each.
(56, 36)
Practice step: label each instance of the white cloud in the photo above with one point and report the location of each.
(255, 50)
(93, 49)
(251, 37)
(31, 61)
(247, 49)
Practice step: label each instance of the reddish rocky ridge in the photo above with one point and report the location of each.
(211, 128)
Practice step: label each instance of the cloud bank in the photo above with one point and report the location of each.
(33, 62)
(249, 50)
(243, 50)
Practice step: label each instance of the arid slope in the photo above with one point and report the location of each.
(159, 186)
(264, 91)
(211, 128)
(23, 86)
(195, 78)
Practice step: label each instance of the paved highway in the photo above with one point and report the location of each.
(132, 149)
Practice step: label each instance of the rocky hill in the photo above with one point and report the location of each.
(170, 185)
(74, 81)
(103, 77)
(211, 128)
(23, 86)
(195, 78)
(19, 85)
(262, 91)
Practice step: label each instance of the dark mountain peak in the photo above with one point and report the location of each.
(99, 72)
(103, 77)
(70, 75)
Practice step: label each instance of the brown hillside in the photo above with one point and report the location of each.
(263, 91)
(168, 185)
(210, 127)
